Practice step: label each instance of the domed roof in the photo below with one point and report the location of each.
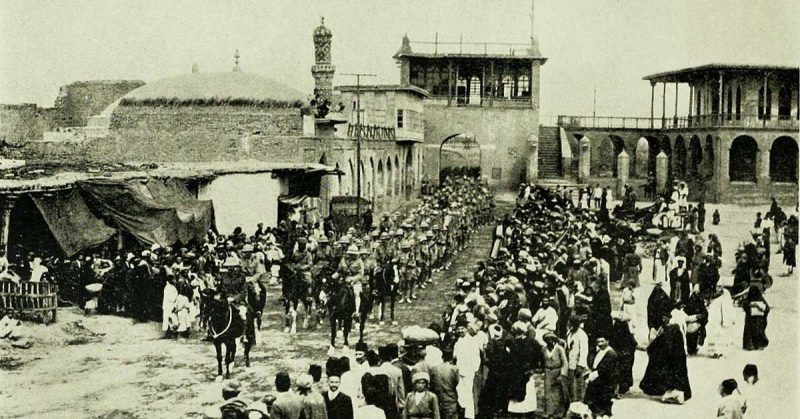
(225, 85)
(322, 30)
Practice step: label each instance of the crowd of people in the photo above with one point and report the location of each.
(535, 330)
(547, 324)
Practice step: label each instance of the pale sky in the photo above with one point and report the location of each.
(608, 45)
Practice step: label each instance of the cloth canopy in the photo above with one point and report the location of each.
(152, 210)
(72, 223)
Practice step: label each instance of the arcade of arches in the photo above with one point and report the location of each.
(385, 179)
(693, 157)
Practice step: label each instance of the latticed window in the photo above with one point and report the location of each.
(508, 87)
(400, 118)
(523, 86)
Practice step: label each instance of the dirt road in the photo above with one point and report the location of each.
(109, 367)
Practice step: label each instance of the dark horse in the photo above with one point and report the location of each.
(228, 322)
(341, 305)
(296, 288)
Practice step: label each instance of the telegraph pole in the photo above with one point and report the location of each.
(358, 140)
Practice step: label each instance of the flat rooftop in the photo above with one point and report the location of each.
(40, 177)
(385, 88)
(689, 74)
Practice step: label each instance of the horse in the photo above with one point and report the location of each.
(296, 288)
(227, 323)
(341, 308)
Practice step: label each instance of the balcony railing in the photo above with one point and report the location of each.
(696, 121)
(483, 101)
(371, 132)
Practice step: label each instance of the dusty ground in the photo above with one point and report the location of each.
(107, 367)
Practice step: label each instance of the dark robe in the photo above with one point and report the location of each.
(658, 306)
(522, 353)
(599, 321)
(600, 391)
(339, 408)
(666, 364)
(679, 285)
(696, 306)
(707, 278)
(754, 336)
(493, 397)
(624, 344)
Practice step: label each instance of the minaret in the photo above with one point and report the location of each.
(236, 68)
(322, 70)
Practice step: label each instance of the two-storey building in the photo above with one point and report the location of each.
(737, 141)
(486, 91)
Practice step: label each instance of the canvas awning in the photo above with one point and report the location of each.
(152, 210)
(72, 223)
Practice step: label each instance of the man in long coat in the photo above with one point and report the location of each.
(602, 381)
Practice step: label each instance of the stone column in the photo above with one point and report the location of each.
(623, 169)
(8, 204)
(662, 171)
(584, 159)
(762, 166)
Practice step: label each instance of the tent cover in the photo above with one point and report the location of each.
(152, 210)
(73, 225)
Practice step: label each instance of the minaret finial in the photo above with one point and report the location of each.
(236, 61)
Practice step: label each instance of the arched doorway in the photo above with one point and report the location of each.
(410, 173)
(742, 159)
(695, 158)
(398, 176)
(363, 179)
(352, 174)
(389, 178)
(373, 186)
(380, 181)
(654, 148)
(337, 187)
(707, 167)
(641, 160)
(680, 158)
(666, 147)
(783, 160)
(604, 160)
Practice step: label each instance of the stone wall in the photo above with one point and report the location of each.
(503, 133)
(24, 122)
(200, 133)
(78, 101)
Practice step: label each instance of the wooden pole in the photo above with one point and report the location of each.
(652, 102)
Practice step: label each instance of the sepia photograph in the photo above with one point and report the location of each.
(397, 209)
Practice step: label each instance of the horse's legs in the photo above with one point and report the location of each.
(348, 324)
(381, 306)
(230, 355)
(332, 321)
(293, 328)
(392, 298)
(218, 348)
(361, 323)
(286, 316)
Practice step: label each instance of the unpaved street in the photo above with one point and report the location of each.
(108, 367)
